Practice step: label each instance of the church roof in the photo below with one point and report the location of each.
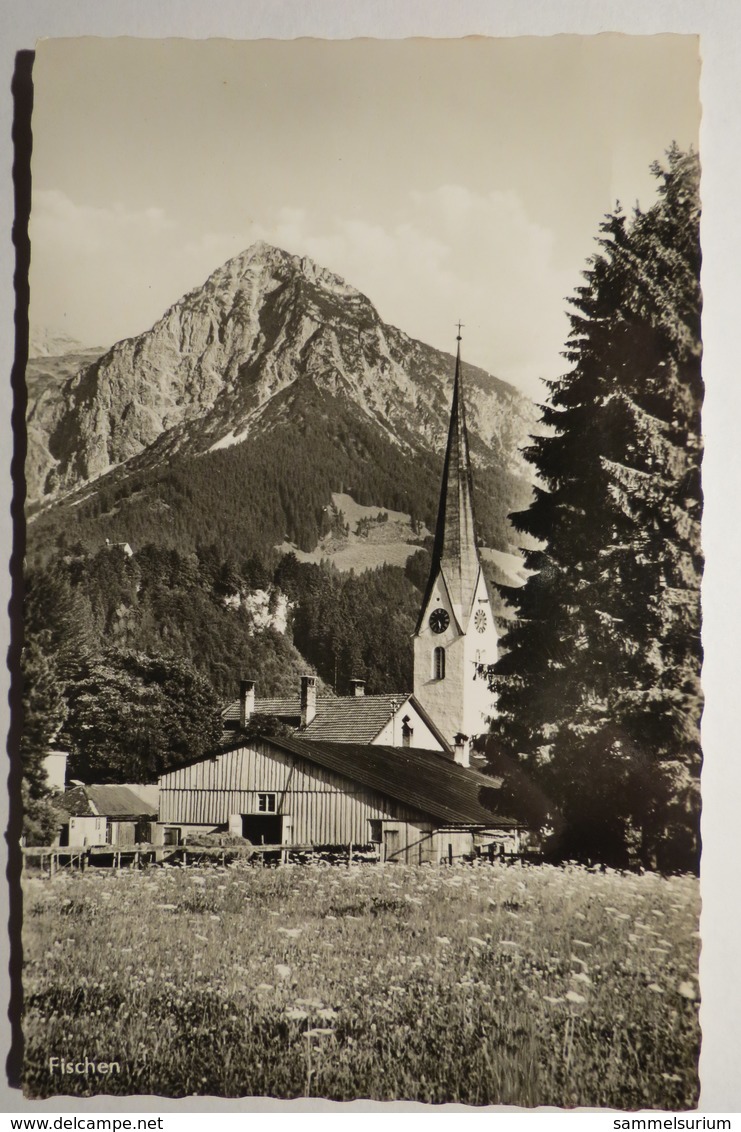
(454, 553)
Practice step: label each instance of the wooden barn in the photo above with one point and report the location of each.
(413, 805)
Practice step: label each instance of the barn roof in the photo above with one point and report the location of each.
(426, 780)
(105, 801)
(338, 719)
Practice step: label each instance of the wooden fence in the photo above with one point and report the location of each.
(54, 859)
(58, 858)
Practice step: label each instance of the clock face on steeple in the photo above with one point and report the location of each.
(439, 620)
(480, 621)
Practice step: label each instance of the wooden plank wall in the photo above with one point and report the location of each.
(325, 809)
(455, 843)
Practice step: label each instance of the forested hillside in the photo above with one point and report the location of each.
(248, 498)
(129, 659)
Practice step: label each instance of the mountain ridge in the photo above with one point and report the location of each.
(275, 350)
(50, 342)
(260, 322)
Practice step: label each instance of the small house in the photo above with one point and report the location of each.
(118, 816)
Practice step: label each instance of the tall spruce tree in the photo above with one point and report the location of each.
(598, 688)
(57, 627)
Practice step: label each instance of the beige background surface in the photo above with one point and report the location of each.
(719, 26)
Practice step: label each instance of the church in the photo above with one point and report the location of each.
(393, 770)
(455, 640)
(456, 634)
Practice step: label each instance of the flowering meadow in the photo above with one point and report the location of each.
(489, 984)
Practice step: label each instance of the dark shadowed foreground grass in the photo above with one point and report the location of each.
(479, 985)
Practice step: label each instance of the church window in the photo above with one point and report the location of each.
(407, 731)
(438, 663)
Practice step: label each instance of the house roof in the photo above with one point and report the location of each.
(352, 719)
(338, 719)
(425, 780)
(282, 706)
(104, 801)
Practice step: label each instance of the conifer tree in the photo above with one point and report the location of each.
(57, 627)
(598, 687)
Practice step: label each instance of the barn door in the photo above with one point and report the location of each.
(126, 833)
(391, 845)
(263, 829)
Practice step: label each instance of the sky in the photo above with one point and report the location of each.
(446, 179)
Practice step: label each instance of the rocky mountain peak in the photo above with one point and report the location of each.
(263, 264)
(218, 365)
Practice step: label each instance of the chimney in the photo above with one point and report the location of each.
(55, 765)
(462, 750)
(358, 687)
(246, 701)
(308, 699)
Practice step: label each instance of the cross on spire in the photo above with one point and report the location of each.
(459, 324)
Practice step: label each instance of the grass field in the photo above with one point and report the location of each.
(480, 985)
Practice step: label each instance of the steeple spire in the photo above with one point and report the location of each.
(456, 636)
(454, 553)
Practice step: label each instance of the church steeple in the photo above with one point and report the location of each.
(454, 552)
(456, 638)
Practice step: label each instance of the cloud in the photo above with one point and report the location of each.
(102, 274)
(86, 227)
(449, 253)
